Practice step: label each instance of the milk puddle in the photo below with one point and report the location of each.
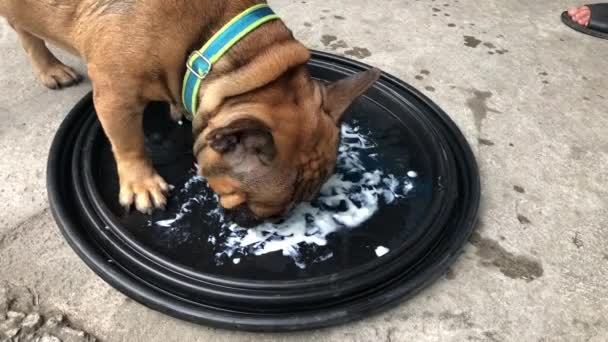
(348, 199)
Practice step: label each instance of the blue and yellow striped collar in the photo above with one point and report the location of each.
(201, 61)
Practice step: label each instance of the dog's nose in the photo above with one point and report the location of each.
(243, 216)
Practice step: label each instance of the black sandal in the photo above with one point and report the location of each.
(598, 24)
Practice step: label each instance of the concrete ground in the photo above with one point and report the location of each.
(530, 96)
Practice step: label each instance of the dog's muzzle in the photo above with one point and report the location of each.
(243, 216)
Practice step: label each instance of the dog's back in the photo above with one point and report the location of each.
(52, 20)
(263, 121)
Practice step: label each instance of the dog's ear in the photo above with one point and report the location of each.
(244, 134)
(338, 96)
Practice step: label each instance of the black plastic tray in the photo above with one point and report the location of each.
(181, 276)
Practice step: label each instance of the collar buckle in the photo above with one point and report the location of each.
(190, 67)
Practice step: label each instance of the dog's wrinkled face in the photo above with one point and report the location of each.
(265, 151)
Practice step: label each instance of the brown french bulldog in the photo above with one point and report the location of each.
(266, 134)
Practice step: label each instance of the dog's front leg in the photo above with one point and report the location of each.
(120, 111)
(51, 72)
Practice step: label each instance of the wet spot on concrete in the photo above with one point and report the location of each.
(308, 24)
(457, 321)
(358, 52)
(449, 274)
(435, 9)
(429, 88)
(577, 152)
(519, 189)
(585, 98)
(471, 41)
(579, 323)
(340, 44)
(576, 240)
(509, 264)
(485, 142)
(339, 17)
(490, 52)
(397, 317)
(419, 78)
(427, 314)
(479, 106)
(523, 220)
(489, 45)
(492, 336)
(543, 73)
(425, 72)
(446, 14)
(511, 144)
(545, 82)
(390, 334)
(451, 25)
(326, 39)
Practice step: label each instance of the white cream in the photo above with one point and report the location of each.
(169, 223)
(381, 251)
(347, 200)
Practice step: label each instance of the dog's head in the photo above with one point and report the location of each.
(266, 150)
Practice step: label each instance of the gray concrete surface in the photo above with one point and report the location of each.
(529, 94)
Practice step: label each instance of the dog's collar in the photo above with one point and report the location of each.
(201, 61)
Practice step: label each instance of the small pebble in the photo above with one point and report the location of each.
(48, 338)
(15, 315)
(12, 332)
(31, 322)
(54, 320)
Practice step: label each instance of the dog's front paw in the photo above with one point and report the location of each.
(143, 188)
(59, 75)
